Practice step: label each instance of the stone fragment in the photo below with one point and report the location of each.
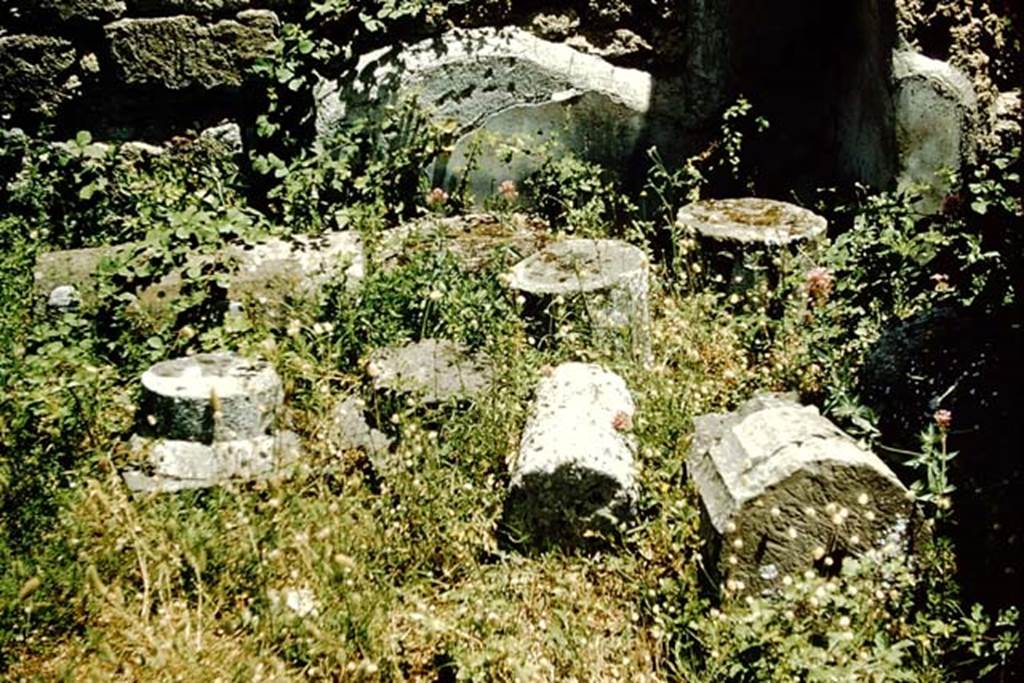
(936, 116)
(1006, 112)
(298, 264)
(180, 52)
(210, 397)
(268, 271)
(205, 7)
(228, 135)
(63, 298)
(740, 239)
(433, 370)
(81, 10)
(610, 279)
(517, 96)
(34, 71)
(349, 430)
(206, 420)
(783, 490)
(475, 240)
(575, 473)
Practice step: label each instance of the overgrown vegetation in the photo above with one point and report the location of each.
(341, 573)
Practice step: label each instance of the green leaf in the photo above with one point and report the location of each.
(83, 138)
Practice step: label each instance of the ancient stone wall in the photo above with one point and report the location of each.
(131, 69)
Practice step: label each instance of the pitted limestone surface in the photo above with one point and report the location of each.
(211, 397)
(575, 470)
(784, 490)
(750, 220)
(433, 370)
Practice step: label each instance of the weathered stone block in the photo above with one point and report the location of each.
(575, 473)
(783, 490)
(432, 370)
(181, 52)
(936, 115)
(211, 397)
(34, 71)
(740, 239)
(73, 10)
(173, 465)
(610, 276)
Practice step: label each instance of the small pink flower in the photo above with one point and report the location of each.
(819, 282)
(436, 197)
(508, 190)
(622, 422)
(943, 419)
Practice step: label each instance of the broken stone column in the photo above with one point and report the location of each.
(575, 474)
(606, 279)
(206, 420)
(936, 114)
(742, 240)
(431, 370)
(783, 490)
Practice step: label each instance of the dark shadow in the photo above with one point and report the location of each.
(572, 509)
(968, 362)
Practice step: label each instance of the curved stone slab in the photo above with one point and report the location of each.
(210, 397)
(784, 490)
(936, 115)
(575, 471)
(508, 91)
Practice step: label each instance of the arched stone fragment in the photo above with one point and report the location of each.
(741, 239)
(783, 490)
(575, 471)
(210, 397)
(509, 97)
(610, 277)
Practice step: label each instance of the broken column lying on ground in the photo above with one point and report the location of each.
(936, 112)
(743, 241)
(783, 490)
(574, 474)
(207, 420)
(607, 280)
